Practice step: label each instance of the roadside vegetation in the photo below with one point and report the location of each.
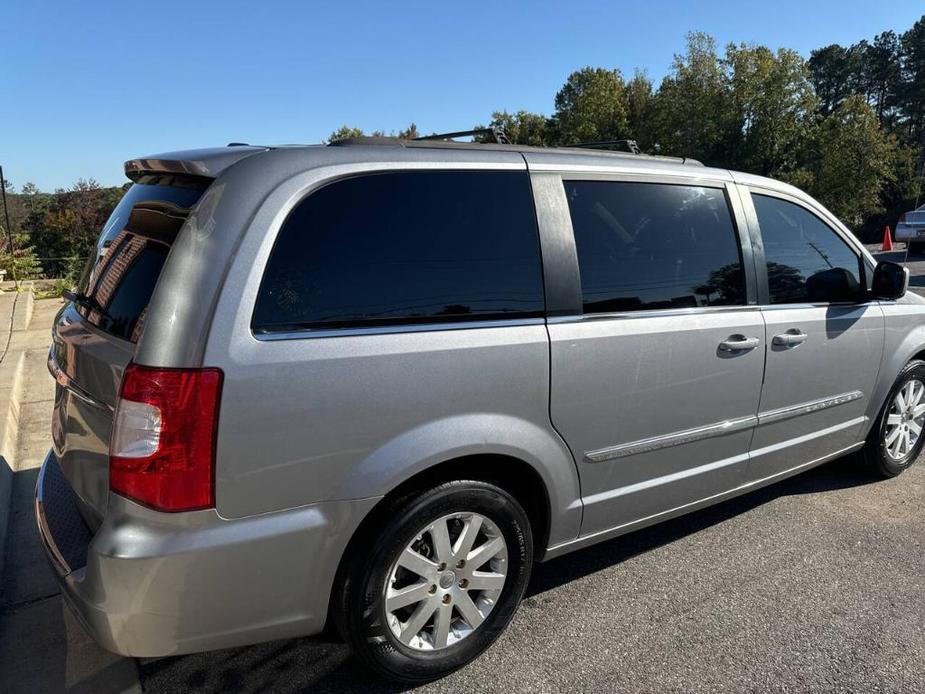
(847, 125)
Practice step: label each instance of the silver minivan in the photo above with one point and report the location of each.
(370, 383)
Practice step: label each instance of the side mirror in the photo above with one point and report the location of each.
(836, 285)
(891, 280)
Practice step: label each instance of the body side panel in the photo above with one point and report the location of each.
(353, 413)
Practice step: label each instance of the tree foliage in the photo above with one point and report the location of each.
(692, 104)
(855, 161)
(771, 108)
(591, 106)
(522, 128)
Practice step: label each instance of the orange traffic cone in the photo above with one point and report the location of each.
(887, 239)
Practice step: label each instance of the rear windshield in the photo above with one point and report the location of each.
(130, 253)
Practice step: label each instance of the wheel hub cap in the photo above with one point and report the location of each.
(446, 581)
(905, 420)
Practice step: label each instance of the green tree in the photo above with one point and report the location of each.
(409, 133)
(855, 161)
(591, 106)
(771, 105)
(22, 263)
(692, 108)
(640, 106)
(912, 88)
(828, 69)
(882, 67)
(522, 128)
(344, 132)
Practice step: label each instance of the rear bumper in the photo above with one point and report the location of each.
(154, 584)
(909, 232)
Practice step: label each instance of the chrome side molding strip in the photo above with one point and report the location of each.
(728, 426)
(667, 440)
(783, 413)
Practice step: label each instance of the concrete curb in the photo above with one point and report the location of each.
(11, 392)
(25, 305)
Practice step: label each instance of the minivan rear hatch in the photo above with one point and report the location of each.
(95, 334)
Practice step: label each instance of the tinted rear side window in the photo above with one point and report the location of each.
(129, 256)
(404, 248)
(654, 246)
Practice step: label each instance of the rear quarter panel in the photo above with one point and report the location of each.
(352, 415)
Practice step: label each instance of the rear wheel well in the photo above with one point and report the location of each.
(516, 477)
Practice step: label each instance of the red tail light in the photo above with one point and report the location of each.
(162, 451)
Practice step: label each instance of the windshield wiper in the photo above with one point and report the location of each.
(83, 300)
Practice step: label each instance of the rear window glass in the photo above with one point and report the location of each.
(405, 248)
(130, 253)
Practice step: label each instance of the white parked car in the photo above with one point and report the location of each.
(911, 229)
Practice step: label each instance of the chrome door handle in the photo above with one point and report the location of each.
(790, 338)
(738, 343)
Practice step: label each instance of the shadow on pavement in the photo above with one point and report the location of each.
(843, 473)
(323, 664)
(30, 610)
(43, 648)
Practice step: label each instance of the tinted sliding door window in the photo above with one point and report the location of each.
(802, 253)
(654, 246)
(408, 247)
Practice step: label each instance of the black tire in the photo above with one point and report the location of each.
(358, 604)
(875, 453)
(914, 248)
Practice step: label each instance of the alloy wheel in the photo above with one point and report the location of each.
(446, 581)
(905, 420)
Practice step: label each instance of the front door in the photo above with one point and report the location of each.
(823, 349)
(655, 386)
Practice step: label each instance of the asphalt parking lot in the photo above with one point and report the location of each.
(814, 584)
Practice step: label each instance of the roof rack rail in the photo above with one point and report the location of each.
(629, 145)
(498, 134)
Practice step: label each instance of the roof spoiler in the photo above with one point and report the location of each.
(196, 167)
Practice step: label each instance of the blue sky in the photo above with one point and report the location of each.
(86, 85)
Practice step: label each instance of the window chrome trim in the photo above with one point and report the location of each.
(729, 426)
(651, 313)
(678, 438)
(804, 305)
(696, 178)
(309, 333)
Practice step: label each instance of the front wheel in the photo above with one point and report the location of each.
(896, 439)
(436, 581)
(914, 247)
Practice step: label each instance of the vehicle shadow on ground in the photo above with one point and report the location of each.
(323, 664)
